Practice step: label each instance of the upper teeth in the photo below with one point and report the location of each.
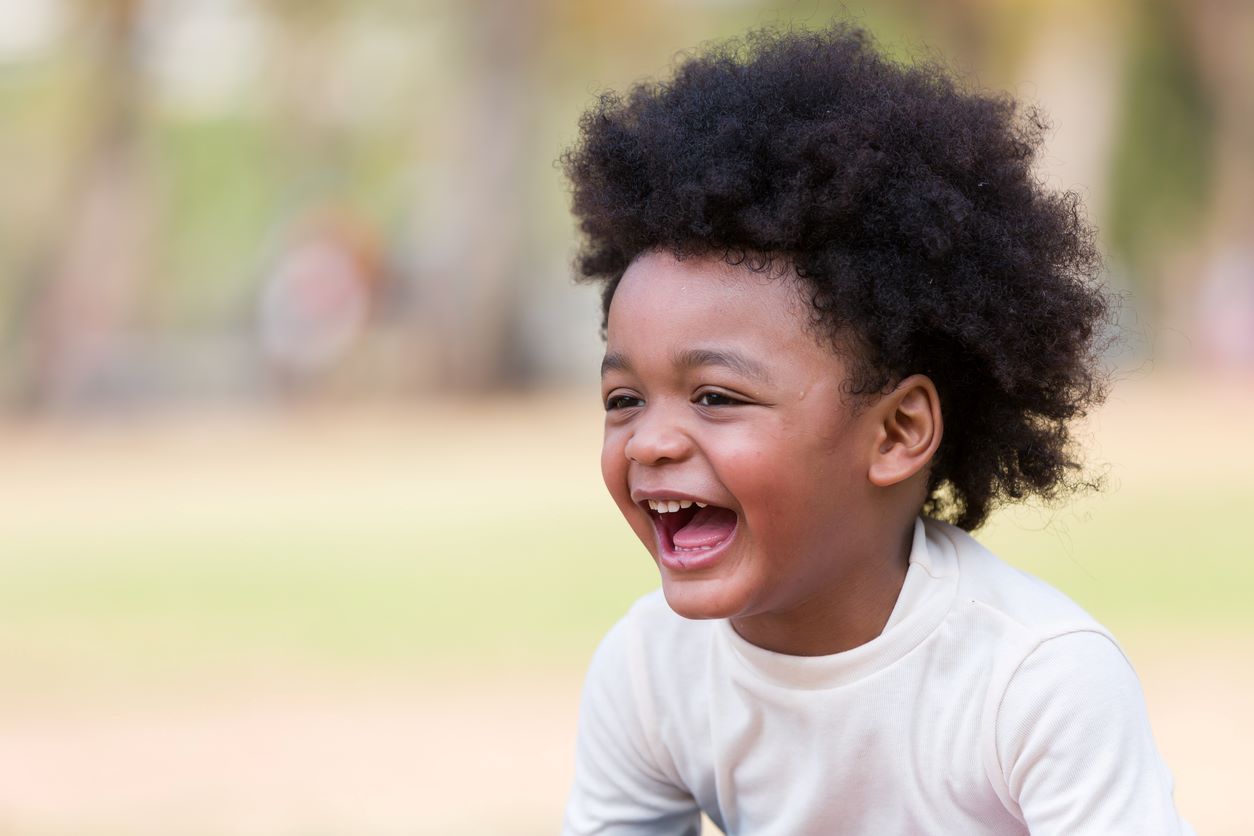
(670, 506)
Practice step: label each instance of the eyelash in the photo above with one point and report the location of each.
(725, 400)
(618, 402)
(628, 401)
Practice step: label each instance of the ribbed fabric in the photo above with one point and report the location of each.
(990, 704)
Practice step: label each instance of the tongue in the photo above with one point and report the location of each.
(708, 527)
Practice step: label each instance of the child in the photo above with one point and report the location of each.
(843, 323)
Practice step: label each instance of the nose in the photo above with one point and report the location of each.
(657, 439)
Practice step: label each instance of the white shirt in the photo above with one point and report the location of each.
(990, 704)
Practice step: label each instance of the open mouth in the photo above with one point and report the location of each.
(691, 529)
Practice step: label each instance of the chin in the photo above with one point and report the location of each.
(701, 599)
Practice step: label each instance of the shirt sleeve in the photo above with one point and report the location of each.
(1074, 744)
(621, 786)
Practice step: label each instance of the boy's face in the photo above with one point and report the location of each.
(717, 393)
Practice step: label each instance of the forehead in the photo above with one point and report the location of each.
(703, 297)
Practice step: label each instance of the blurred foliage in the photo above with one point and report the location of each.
(216, 130)
(216, 183)
(1160, 170)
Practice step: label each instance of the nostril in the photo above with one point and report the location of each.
(656, 447)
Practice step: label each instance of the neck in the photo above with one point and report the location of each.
(849, 612)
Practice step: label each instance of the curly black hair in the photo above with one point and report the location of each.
(909, 208)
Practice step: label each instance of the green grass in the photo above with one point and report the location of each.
(390, 595)
(1167, 561)
(535, 587)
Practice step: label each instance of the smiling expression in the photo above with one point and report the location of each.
(718, 393)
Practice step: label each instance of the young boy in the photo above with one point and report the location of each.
(843, 323)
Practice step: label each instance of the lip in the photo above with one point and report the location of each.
(669, 557)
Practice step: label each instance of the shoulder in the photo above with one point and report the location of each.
(1023, 604)
(648, 615)
(1066, 737)
(624, 772)
(1029, 626)
(619, 702)
(651, 615)
(1072, 743)
(649, 640)
(1066, 680)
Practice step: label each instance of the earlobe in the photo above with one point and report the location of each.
(908, 431)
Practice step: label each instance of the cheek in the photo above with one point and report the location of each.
(614, 469)
(613, 465)
(614, 473)
(783, 483)
(759, 480)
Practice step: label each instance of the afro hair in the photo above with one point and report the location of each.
(908, 207)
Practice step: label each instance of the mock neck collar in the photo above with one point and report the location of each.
(925, 598)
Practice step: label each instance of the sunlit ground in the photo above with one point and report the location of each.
(375, 621)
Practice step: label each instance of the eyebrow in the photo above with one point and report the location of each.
(694, 358)
(614, 362)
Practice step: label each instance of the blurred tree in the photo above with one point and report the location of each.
(1160, 172)
(84, 273)
(470, 242)
(1222, 32)
(1182, 217)
(138, 215)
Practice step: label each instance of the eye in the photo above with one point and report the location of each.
(717, 399)
(620, 401)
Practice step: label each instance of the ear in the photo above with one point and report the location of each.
(907, 431)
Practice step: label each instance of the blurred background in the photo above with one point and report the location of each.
(301, 527)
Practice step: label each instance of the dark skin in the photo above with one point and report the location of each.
(906, 425)
(717, 392)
